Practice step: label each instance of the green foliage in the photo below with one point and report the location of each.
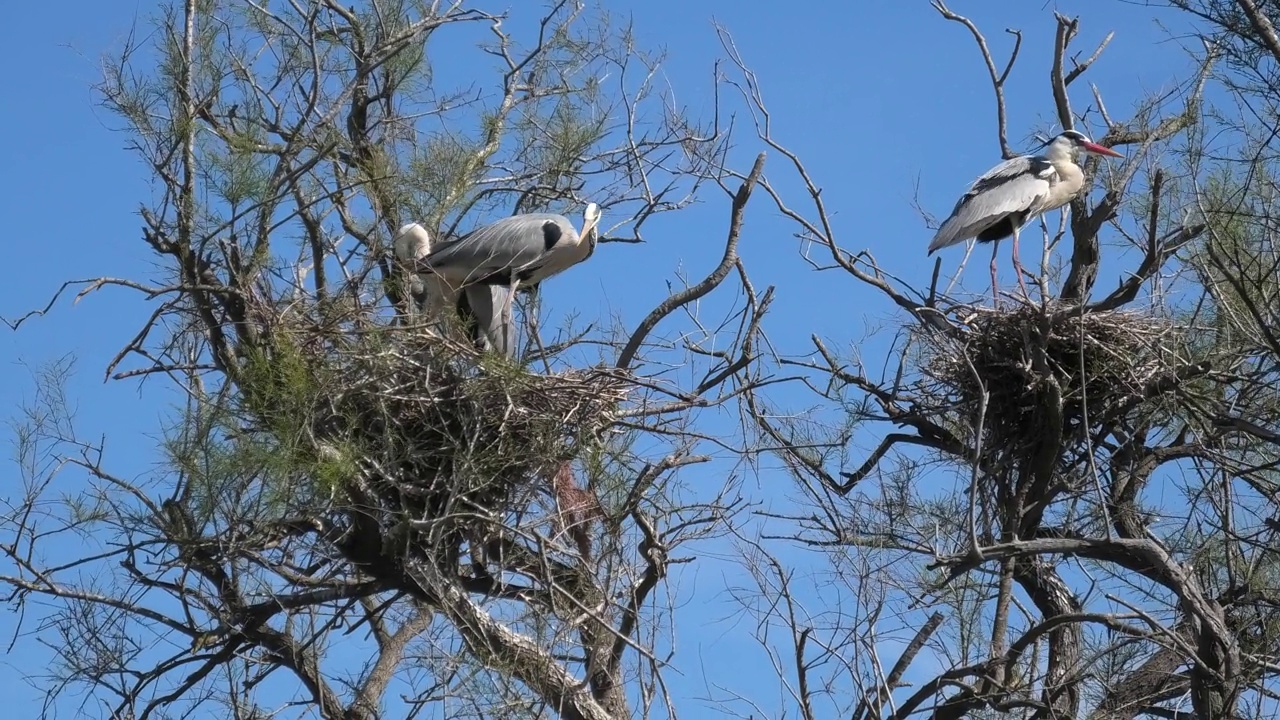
(1237, 259)
(236, 173)
(280, 386)
(443, 167)
(281, 392)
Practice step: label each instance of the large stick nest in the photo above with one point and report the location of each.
(1031, 361)
(406, 426)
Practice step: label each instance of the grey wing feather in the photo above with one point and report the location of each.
(512, 243)
(1004, 172)
(1015, 185)
(495, 329)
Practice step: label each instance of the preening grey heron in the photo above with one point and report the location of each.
(489, 264)
(1014, 192)
(412, 243)
(431, 297)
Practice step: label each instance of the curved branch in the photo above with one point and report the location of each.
(1263, 26)
(709, 283)
(504, 649)
(997, 77)
(878, 454)
(1156, 255)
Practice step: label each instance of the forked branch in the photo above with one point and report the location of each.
(998, 77)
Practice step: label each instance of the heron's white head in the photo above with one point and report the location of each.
(591, 223)
(412, 242)
(1069, 143)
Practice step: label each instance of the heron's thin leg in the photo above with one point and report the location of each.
(508, 314)
(1017, 267)
(532, 308)
(995, 293)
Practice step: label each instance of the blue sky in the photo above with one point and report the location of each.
(875, 97)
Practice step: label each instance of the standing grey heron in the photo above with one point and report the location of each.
(1014, 192)
(516, 251)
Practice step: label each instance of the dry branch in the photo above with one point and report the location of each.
(997, 78)
(709, 283)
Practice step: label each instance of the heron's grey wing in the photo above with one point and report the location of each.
(513, 243)
(1006, 171)
(494, 327)
(1014, 185)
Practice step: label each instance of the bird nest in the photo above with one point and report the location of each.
(400, 426)
(1047, 372)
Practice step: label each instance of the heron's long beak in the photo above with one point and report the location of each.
(1099, 150)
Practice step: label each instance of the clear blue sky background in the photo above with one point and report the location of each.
(873, 95)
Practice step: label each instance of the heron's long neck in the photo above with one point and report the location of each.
(1070, 177)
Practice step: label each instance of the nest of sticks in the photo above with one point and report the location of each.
(1048, 371)
(402, 427)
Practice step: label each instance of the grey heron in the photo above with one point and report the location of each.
(433, 299)
(1014, 192)
(489, 264)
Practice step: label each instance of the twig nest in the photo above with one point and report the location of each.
(407, 424)
(1048, 371)
(444, 425)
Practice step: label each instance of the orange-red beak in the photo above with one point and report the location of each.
(1099, 150)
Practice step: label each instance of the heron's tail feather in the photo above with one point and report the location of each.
(946, 236)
